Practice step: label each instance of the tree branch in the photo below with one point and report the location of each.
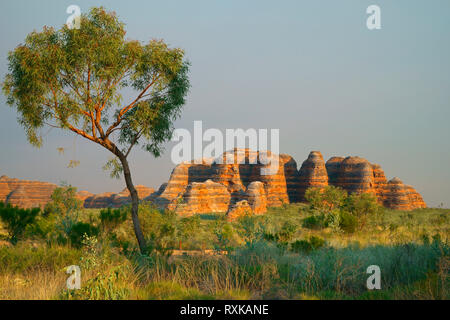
(130, 106)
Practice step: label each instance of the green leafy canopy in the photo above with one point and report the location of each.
(74, 79)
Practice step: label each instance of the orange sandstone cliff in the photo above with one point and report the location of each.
(214, 185)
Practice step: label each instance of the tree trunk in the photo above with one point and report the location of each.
(134, 203)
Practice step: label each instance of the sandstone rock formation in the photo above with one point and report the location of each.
(256, 197)
(83, 195)
(353, 174)
(239, 209)
(380, 182)
(203, 197)
(287, 184)
(396, 195)
(181, 177)
(292, 177)
(25, 193)
(218, 185)
(312, 174)
(402, 197)
(114, 200)
(416, 200)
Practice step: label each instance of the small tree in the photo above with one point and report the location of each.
(326, 199)
(72, 79)
(362, 206)
(64, 201)
(16, 220)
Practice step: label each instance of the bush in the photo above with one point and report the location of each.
(77, 232)
(325, 200)
(362, 206)
(110, 219)
(42, 228)
(348, 222)
(307, 246)
(287, 232)
(64, 201)
(16, 220)
(313, 222)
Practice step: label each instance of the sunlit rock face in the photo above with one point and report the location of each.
(202, 197)
(402, 197)
(217, 185)
(239, 209)
(113, 200)
(286, 184)
(313, 173)
(25, 193)
(256, 197)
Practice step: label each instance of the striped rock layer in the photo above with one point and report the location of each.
(216, 185)
(25, 193)
(286, 184)
(313, 173)
(111, 199)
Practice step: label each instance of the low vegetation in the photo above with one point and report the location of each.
(318, 250)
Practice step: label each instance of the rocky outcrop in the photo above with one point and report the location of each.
(396, 195)
(156, 194)
(353, 174)
(239, 209)
(83, 195)
(416, 200)
(235, 170)
(292, 177)
(275, 183)
(182, 175)
(313, 173)
(402, 197)
(357, 175)
(203, 197)
(101, 200)
(333, 167)
(256, 197)
(114, 200)
(239, 168)
(218, 185)
(379, 183)
(25, 193)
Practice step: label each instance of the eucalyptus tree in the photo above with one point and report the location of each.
(75, 80)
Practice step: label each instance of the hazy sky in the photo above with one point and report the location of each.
(309, 68)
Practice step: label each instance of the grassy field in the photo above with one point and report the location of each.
(273, 256)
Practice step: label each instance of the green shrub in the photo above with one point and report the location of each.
(225, 235)
(362, 206)
(307, 246)
(301, 246)
(110, 219)
(43, 228)
(78, 232)
(347, 222)
(287, 232)
(313, 222)
(16, 220)
(64, 201)
(250, 229)
(325, 200)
